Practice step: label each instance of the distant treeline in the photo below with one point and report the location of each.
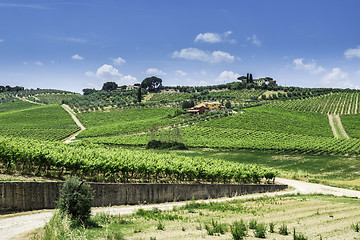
(7, 88)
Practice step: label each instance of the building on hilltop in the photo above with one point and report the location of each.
(205, 107)
(258, 82)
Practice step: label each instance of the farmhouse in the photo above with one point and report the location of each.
(205, 107)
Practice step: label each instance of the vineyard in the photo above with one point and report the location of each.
(37, 122)
(351, 124)
(226, 138)
(332, 103)
(278, 120)
(106, 164)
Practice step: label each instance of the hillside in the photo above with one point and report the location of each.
(275, 121)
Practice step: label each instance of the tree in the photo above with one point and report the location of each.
(75, 199)
(152, 84)
(109, 86)
(88, 91)
(228, 104)
(139, 95)
(241, 78)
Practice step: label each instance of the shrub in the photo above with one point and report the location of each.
(271, 227)
(260, 231)
(355, 227)
(252, 224)
(238, 230)
(75, 199)
(215, 227)
(298, 236)
(160, 225)
(283, 230)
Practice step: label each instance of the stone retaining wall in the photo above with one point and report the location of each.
(25, 196)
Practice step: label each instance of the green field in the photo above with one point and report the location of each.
(277, 120)
(36, 122)
(351, 124)
(333, 103)
(125, 121)
(55, 98)
(15, 105)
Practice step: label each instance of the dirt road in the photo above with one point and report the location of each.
(72, 114)
(337, 127)
(13, 225)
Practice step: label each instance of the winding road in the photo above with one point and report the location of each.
(76, 120)
(13, 226)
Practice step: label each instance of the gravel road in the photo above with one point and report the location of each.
(12, 226)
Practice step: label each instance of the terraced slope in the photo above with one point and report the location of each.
(333, 103)
(36, 122)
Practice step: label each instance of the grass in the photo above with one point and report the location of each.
(37, 122)
(293, 211)
(351, 124)
(273, 119)
(340, 171)
(124, 121)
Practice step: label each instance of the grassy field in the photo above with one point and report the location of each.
(15, 105)
(36, 122)
(313, 217)
(330, 170)
(351, 124)
(333, 103)
(55, 98)
(279, 120)
(124, 121)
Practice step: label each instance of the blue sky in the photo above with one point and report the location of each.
(76, 44)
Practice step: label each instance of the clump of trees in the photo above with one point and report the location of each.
(152, 84)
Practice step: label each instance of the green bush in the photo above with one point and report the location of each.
(238, 230)
(298, 236)
(215, 228)
(272, 227)
(260, 231)
(283, 230)
(355, 227)
(252, 224)
(75, 199)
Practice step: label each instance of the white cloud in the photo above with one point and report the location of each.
(336, 75)
(352, 53)
(38, 63)
(310, 67)
(26, 63)
(109, 73)
(337, 78)
(1, 40)
(227, 76)
(254, 40)
(128, 79)
(204, 56)
(73, 40)
(180, 73)
(155, 71)
(208, 37)
(118, 61)
(214, 37)
(77, 57)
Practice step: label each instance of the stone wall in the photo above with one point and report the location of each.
(24, 196)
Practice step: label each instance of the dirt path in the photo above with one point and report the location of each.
(25, 100)
(337, 127)
(72, 114)
(18, 224)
